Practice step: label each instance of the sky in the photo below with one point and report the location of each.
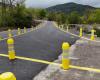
(48, 3)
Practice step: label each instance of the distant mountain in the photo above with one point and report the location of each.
(70, 7)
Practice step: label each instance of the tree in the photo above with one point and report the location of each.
(8, 6)
(42, 14)
(94, 17)
(74, 18)
(51, 16)
(15, 14)
(22, 17)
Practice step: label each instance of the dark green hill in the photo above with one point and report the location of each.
(70, 7)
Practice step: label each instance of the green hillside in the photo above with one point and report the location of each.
(70, 7)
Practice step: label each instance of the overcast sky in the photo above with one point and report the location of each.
(47, 3)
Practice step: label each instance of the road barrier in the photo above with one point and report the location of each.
(65, 56)
(33, 60)
(7, 76)
(11, 50)
(81, 32)
(56, 64)
(85, 68)
(25, 30)
(66, 61)
(9, 33)
(65, 64)
(63, 30)
(19, 31)
(93, 34)
(1, 38)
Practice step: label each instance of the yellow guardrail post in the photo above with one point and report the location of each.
(19, 31)
(65, 55)
(81, 32)
(1, 38)
(92, 34)
(7, 76)
(25, 30)
(11, 51)
(9, 33)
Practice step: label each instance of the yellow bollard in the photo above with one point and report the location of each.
(92, 34)
(19, 31)
(1, 38)
(7, 76)
(81, 32)
(9, 33)
(25, 30)
(11, 51)
(65, 64)
(65, 55)
(9, 30)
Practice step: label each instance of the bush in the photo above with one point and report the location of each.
(98, 32)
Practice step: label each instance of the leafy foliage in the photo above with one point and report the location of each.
(20, 16)
(94, 16)
(74, 18)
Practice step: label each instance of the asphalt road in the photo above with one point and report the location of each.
(43, 43)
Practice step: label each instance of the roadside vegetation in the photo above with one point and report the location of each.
(17, 15)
